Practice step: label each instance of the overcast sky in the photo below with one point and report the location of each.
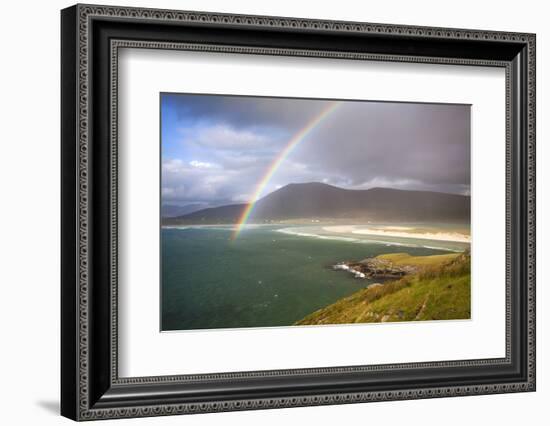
(215, 149)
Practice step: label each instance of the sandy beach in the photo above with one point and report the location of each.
(399, 232)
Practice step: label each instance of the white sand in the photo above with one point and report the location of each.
(396, 231)
(398, 228)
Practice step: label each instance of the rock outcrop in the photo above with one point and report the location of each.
(375, 268)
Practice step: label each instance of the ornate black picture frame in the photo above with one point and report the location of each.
(90, 38)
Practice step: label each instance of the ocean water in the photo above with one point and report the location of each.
(264, 278)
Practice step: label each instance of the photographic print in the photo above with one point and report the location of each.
(291, 211)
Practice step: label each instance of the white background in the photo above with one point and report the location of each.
(29, 225)
(146, 352)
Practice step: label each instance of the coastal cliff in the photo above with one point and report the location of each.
(428, 288)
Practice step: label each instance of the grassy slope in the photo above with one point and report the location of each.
(402, 259)
(440, 290)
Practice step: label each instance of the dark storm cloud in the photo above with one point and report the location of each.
(218, 147)
(426, 144)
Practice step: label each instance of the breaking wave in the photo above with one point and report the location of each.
(301, 233)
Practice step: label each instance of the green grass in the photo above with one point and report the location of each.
(402, 259)
(439, 291)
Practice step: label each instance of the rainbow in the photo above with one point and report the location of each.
(292, 143)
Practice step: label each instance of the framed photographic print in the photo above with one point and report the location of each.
(295, 181)
(263, 212)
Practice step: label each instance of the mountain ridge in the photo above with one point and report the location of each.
(318, 201)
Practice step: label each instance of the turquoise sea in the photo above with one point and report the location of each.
(264, 278)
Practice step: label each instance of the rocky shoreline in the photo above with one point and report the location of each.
(375, 268)
(439, 290)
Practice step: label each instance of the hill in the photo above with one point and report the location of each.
(172, 210)
(213, 215)
(309, 201)
(439, 290)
